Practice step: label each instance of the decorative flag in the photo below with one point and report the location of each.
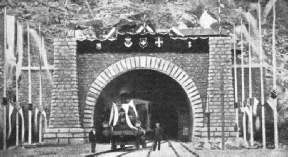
(242, 108)
(45, 119)
(268, 7)
(10, 39)
(257, 123)
(255, 104)
(35, 119)
(23, 124)
(112, 31)
(272, 103)
(42, 112)
(247, 110)
(11, 108)
(176, 31)
(19, 51)
(144, 28)
(206, 20)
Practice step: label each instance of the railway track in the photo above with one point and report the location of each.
(168, 148)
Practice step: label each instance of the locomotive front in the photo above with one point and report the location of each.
(124, 126)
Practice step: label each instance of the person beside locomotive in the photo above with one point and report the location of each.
(92, 140)
(158, 132)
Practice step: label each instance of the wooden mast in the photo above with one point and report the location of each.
(29, 90)
(243, 84)
(4, 84)
(40, 87)
(236, 87)
(261, 79)
(274, 79)
(250, 89)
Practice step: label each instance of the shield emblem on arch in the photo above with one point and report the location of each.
(159, 41)
(143, 42)
(98, 46)
(128, 42)
(189, 44)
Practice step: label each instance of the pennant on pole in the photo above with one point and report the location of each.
(257, 123)
(23, 123)
(11, 108)
(176, 31)
(206, 20)
(19, 51)
(242, 107)
(10, 60)
(45, 119)
(35, 119)
(39, 109)
(255, 104)
(112, 31)
(272, 103)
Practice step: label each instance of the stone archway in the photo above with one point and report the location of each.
(151, 63)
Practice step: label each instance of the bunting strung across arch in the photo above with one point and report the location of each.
(145, 43)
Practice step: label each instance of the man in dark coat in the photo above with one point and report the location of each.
(157, 136)
(92, 140)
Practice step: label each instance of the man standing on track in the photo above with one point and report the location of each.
(157, 136)
(92, 140)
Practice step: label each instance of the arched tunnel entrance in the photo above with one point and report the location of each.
(170, 105)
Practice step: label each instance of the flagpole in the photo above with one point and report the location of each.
(250, 89)
(18, 74)
(17, 102)
(236, 87)
(261, 79)
(274, 79)
(4, 84)
(29, 90)
(220, 29)
(243, 86)
(40, 86)
(17, 116)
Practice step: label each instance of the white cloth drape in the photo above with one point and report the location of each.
(11, 108)
(114, 115)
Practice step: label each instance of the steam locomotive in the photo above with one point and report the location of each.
(129, 123)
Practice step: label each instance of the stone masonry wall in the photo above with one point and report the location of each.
(220, 53)
(74, 73)
(64, 124)
(91, 65)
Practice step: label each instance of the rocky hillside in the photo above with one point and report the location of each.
(99, 17)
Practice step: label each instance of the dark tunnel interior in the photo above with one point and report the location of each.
(169, 103)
